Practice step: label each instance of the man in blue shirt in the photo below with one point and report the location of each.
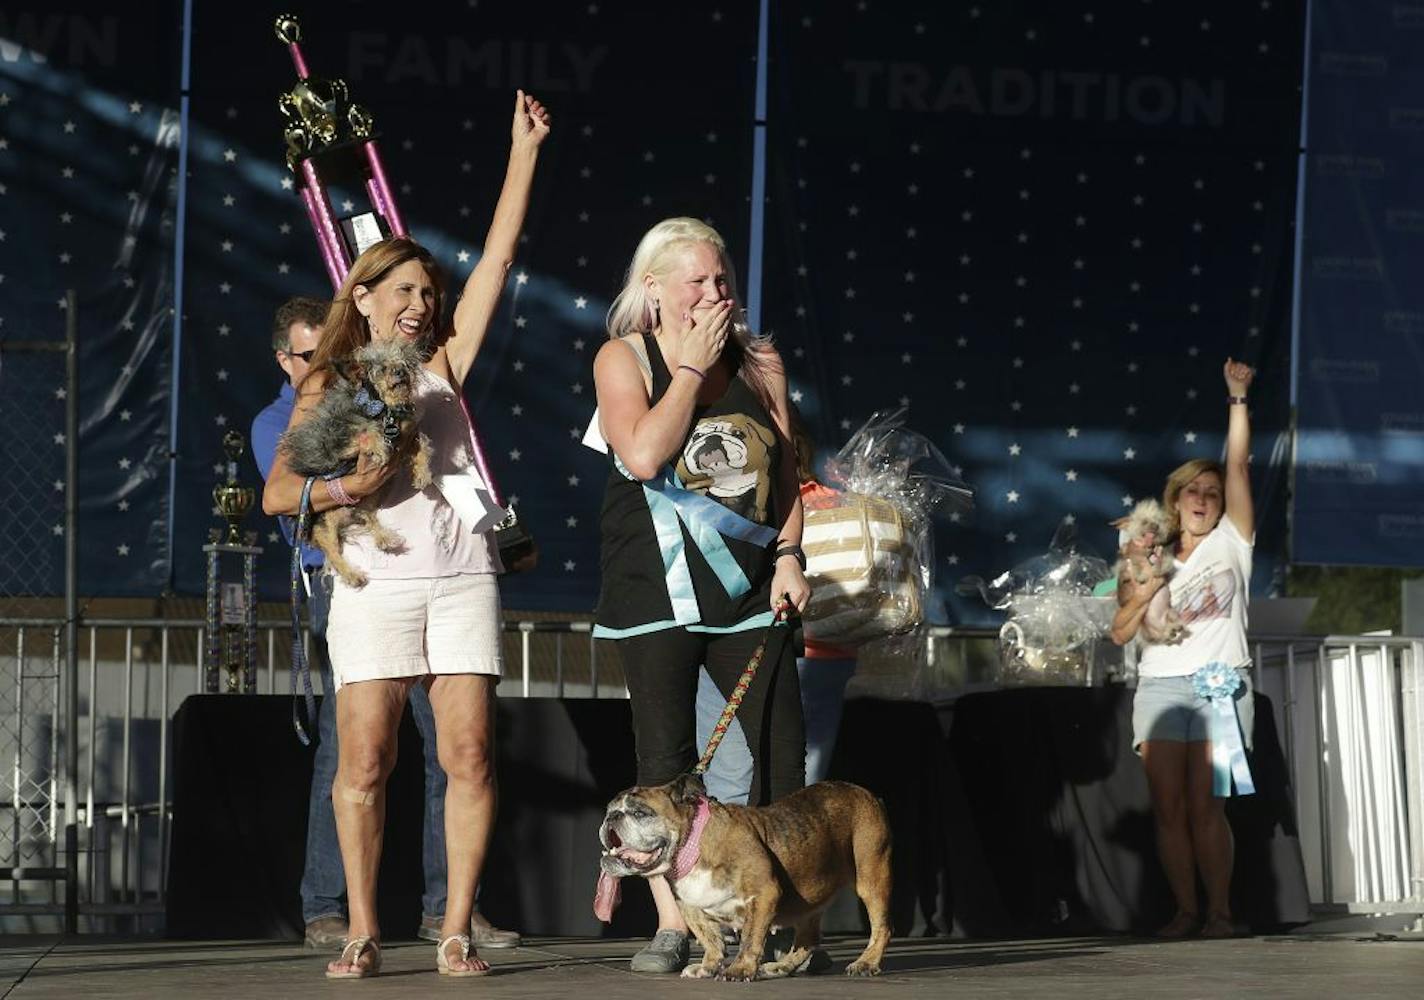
(296, 330)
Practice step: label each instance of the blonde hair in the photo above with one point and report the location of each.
(346, 330)
(805, 447)
(658, 252)
(1177, 481)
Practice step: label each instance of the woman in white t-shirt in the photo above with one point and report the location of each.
(1170, 721)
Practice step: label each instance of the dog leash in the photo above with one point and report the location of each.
(299, 653)
(778, 627)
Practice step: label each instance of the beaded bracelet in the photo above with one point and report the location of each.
(337, 492)
(1236, 400)
(694, 371)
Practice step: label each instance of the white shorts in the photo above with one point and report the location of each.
(411, 628)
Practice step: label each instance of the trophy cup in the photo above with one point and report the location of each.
(332, 139)
(232, 585)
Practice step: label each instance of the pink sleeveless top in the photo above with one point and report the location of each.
(437, 541)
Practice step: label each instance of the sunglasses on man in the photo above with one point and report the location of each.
(304, 355)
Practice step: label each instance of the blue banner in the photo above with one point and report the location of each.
(1045, 230)
(1359, 492)
(88, 144)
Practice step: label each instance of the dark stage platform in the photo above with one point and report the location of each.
(1064, 968)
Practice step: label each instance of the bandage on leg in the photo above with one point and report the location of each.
(360, 798)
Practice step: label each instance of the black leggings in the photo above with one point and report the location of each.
(661, 670)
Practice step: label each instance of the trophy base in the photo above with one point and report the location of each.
(517, 549)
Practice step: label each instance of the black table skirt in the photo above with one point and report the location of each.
(1058, 814)
(1014, 813)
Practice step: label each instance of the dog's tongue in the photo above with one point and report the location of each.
(606, 896)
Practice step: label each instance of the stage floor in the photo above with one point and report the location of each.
(1356, 966)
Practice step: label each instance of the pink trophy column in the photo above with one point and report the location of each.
(333, 250)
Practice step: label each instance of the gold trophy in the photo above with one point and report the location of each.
(233, 500)
(232, 586)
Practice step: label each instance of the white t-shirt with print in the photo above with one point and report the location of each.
(1209, 592)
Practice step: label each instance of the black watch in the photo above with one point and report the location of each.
(792, 550)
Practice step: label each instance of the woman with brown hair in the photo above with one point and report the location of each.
(428, 614)
(1211, 522)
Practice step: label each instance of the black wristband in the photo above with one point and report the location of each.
(1234, 400)
(792, 550)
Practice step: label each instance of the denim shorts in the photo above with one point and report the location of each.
(1166, 708)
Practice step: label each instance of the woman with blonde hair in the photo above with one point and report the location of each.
(701, 521)
(430, 613)
(1175, 720)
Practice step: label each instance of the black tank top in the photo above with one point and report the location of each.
(732, 455)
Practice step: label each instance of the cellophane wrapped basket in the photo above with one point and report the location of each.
(869, 547)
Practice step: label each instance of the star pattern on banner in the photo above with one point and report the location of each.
(1050, 295)
(101, 226)
(1054, 308)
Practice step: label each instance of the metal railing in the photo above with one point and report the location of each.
(133, 674)
(1350, 712)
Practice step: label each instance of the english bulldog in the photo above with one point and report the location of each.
(752, 869)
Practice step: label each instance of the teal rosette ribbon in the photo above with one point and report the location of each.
(672, 507)
(1216, 683)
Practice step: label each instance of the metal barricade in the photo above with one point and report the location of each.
(1350, 711)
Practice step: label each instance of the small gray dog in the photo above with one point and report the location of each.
(367, 409)
(1152, 557)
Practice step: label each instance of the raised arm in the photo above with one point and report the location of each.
(482, 290)
(282, 493)
(1238, 449)
(644, 437)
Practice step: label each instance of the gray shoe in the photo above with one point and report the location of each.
(325, 934)
(666, 952)
(483, 934)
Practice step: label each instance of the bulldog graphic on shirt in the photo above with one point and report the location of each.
(728, 458)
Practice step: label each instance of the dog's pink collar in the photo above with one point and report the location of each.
(691, 848)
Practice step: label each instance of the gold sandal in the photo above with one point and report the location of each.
(442, 963)
(357, 947)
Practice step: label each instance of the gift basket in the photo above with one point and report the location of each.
(869, 547)
(1054, 621)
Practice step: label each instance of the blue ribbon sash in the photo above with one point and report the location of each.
(673, 506)
(1217, 684)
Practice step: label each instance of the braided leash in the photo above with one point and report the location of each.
(300, 668)
(744, 682)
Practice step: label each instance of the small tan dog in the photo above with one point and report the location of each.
(368, 409)
(750, 869)
(1146, 554)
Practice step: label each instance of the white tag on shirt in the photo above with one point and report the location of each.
(593, 437)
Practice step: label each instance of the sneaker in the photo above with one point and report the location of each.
(666, 952)
(325, 934)
(483, 934)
